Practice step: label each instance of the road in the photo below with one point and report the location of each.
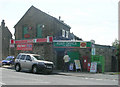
(11, 77)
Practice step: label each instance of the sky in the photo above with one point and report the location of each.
(89, 19)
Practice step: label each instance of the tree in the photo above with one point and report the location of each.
(116, 45)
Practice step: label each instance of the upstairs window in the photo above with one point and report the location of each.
(67, 34)
(25, 31)
(63, 33)
(39, 30)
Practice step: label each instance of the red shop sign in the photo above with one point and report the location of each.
(23, 41)
(25, 47)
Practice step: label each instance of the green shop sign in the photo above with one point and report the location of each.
(72, 44)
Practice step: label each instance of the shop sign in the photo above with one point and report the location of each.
(83, 45)
(41, 40)
(72, 44)
(23, 41)
(25, 47)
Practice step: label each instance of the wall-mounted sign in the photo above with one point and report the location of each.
(72, 44)
(83, 45)
(38, 40)
(26, 36)
(25, 47)
(24, 41)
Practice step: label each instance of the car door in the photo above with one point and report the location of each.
(28, 64)
(22, 61)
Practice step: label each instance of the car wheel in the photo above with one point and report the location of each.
(34, 69)
(17, 67)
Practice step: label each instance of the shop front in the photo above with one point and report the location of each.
(77, 51)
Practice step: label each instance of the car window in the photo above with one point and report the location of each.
(38, 58)
(18, 57)
(28, 57)
(22, 57)
(9, 59)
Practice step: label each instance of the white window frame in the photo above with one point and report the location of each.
(63, 33)
(67, 34)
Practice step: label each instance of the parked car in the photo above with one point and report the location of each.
(33, 62)
(8, 61)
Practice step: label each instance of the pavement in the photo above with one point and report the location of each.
(72, 73)
(87, 75)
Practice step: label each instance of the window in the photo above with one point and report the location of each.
(67, 34)
(39, 31)
(63, 33)
(18, 57)
(22, 57)
(28, 57)
(25, 30)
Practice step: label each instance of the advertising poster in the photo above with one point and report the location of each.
(93, 67)
(71, 66)
(25, 47)
(77, 64)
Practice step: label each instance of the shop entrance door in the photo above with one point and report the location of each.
(74, 55)
(60, 62)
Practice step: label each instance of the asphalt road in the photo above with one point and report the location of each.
(11, 77)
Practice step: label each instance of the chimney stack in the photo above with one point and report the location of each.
(59, 17)
(3, 23)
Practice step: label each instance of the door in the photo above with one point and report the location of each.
(22, 61)
(60, 63)
(85, 63)
(28, 64)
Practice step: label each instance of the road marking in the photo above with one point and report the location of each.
(99, 79)
(2, 83)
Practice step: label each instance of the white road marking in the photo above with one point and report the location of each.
(2, 83)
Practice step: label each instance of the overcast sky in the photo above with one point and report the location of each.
(89, 19)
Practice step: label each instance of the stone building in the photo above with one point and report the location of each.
(109, 53)
(40, 33)
(37, 25)
(5, 36)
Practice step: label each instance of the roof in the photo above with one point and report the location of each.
(32, 7)
(28, 54)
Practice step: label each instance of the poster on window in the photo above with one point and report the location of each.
(77, 64)
(93, 67)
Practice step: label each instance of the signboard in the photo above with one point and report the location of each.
(41, 40)
(77, 64)
(83, 45)
(38, 40)
(93, 67)
(24, 41)
(71, 66)
(93, 51)
(72, 44)
(12, 41)
(12, 45)
(25, 47)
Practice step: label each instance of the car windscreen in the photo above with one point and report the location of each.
(9, 59)
(38, 57)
